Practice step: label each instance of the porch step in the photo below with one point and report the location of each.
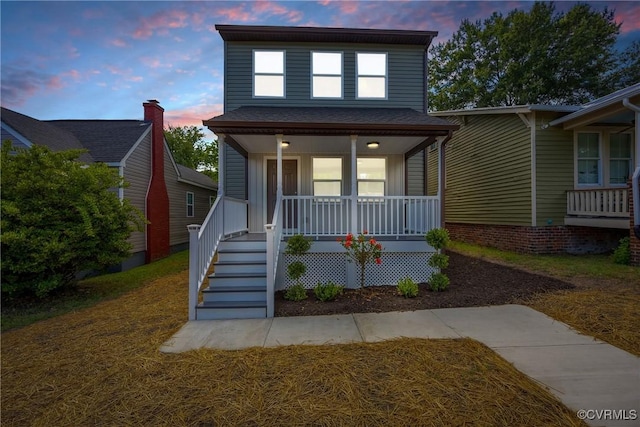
(250, 255)
(237, 279)
(243, 245)
(231, 310)
(240, 267)
(234, 293)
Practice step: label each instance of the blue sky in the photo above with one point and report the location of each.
(101, 60)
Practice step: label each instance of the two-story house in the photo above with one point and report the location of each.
(324, 133)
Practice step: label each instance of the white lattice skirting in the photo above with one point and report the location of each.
(333, 266)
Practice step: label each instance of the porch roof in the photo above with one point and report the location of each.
(255, 120)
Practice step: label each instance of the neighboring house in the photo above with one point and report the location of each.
(542, 178)
(323, 134)
(172, 196)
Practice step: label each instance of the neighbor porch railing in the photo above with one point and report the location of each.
(607, 202)
(227, 216)
(274, 238)
(319, 216)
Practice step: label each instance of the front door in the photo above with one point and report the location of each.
(289, 188)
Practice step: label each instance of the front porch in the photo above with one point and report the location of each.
(602, 207)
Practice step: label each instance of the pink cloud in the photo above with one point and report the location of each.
(160, 23)
(55, 82)
(237, 13)
(118, 43)
(192, 116)
(135, 79)
(630, 19)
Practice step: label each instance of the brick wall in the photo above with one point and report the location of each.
(539, 240)
(634, 241)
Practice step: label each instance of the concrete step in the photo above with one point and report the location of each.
(234, 293)
(231, 310)
(250, 255)
(237, 279)
(240, 267)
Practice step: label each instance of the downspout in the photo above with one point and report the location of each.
(441, 180)
(635, 180)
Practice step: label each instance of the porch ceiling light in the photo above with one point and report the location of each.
(285, 144)
(373, 145)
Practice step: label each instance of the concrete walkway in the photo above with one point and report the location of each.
(584, 373)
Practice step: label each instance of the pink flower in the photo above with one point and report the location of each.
(349, 237)
(379, 247)
(378, 261)
(347, 244)
(372, 242)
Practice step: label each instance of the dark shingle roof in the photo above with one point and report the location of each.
(196, 177)
(324, 35)
(107, 140)
(332, 120)
(43, 133)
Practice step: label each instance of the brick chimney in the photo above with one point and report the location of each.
(158, 243)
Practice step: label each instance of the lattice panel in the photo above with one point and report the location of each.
(322, 267)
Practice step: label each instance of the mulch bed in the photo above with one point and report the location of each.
(474, 282)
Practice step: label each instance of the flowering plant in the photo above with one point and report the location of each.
(362, 250)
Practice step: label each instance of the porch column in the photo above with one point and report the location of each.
(279, 166)
(221, 160)
(442, 142)
(354, 186)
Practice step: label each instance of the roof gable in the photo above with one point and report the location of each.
(42, 133)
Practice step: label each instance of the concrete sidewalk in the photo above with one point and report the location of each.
(584, 373)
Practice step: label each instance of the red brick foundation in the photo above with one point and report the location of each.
(539, 240)
(634, 242)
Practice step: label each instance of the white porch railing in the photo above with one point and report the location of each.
(274, 238)
(384, 216)
(609, 202)
(227, 216)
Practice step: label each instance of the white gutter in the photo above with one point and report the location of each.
(635, 181)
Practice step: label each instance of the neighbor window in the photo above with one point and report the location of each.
(619, 158)
(212, 200)
(588, 158)
(372, 75)
(372, 174)
(327, 74)
(268, 73)
(327, 176)
(190, 204)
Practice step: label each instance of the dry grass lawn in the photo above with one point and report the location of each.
(101, 366)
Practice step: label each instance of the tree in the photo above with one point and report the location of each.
(538, 56)
(189, 148)
(59, 217)
(627, 71)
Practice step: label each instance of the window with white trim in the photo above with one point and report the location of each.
(190, 204)
(619, 158)
(589, 169)
(268, 73)
(326, 70)
(327, 176)
(371, 75)
(372, 176)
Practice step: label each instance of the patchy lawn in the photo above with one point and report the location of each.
(101, 366)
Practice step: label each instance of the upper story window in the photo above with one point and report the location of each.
(372, 75)
(326, 68)
(372, 175)
(619, 158)
(268, 73)
(327, 176)
(589, 168)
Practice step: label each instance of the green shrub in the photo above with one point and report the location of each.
(438, 238)
(439, 282)
(297, 245)
(296, 292)
(622, 254)
(296, 270)
(59, 217)
(407, 288)
(439, 261)
(328, 291)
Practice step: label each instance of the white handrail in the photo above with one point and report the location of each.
(603, 202)
(274, 238)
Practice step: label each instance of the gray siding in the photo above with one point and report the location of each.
(177, 191)
(137, 173)
(416, 174)
(405, 75)
(257, 179)
(7, 136)
(488, 168)
(234, 174)
(554, 170)
(432, 170)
